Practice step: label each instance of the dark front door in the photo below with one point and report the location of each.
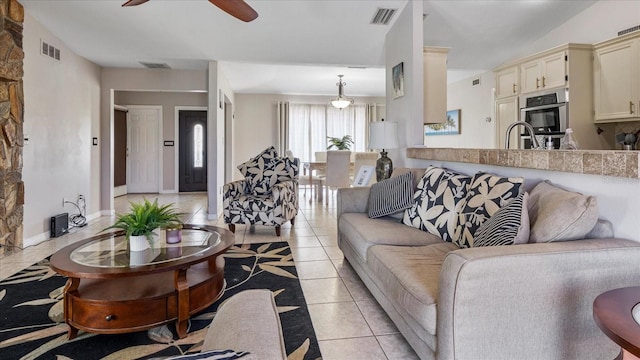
(193, 150)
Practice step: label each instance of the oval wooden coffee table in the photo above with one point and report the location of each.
(112, 290)
(613, 311)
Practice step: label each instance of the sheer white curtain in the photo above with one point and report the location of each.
(309, 126)
(307, 131)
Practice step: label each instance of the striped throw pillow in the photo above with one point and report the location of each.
(508, 226)
(391, 195)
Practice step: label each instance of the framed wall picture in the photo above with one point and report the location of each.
(451, 127)
(364, 175)
(397, 77)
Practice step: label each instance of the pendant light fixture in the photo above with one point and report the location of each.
(341, 101)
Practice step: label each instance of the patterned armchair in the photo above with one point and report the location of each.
(267, 196)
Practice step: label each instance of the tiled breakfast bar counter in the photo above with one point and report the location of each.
(596, 162)
(612, 176)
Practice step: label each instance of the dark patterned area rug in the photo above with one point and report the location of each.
(32, 324)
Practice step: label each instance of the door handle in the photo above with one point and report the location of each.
(630, 107)
(543, 81)
(537, 83)
(514, 88)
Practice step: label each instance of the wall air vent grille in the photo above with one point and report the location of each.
(383, 16)
(155, 65)
(631, 29)
(50, 51)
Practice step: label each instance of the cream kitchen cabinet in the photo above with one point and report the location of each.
(617, 80)
(547, 72)
(507, 82)
(506, 114)
(435, 84)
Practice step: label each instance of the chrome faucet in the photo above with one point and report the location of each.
(529, 128)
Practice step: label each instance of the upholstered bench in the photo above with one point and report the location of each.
(247, 322)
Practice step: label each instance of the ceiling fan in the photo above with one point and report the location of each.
(236, 8)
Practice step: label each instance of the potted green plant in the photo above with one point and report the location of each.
(343, 143)
(142, 219)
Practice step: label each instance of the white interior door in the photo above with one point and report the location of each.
(143, 147)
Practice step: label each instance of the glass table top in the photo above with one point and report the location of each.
(113, 252)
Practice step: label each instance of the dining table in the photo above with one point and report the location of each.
(320, 166)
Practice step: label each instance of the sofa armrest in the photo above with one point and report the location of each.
(511, 302)
(351, 200)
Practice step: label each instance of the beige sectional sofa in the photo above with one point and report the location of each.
(527, 301)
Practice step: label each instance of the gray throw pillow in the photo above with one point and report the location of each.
(556, 214)
(390, 196)
(508, 226)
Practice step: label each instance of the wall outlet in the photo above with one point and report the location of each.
(64, 201)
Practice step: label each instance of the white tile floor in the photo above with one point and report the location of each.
(348, 321)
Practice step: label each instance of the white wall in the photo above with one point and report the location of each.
(255, 125)
(62, 103)
(599, 22)
(168, 101)
(403, 43)
(476, 104)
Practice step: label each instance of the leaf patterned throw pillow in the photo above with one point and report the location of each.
(254, 169)
(487, 194)
(437, 201)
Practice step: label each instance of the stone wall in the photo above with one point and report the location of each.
(11, 119)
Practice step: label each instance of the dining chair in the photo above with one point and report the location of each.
(337, 170)
(361, 159)
(304, 180)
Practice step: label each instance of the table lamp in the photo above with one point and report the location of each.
(383, 135)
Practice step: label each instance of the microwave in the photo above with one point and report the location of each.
(546, 112)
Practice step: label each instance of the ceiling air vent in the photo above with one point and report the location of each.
(155, 65)
(631, 29)
(383, 16)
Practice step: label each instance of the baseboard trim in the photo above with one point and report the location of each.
(170, 191)
(107, 212)
(212, 216)
(94, 216)
(35, 240)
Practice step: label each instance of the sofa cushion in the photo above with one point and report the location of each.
(436, 202)
(487, 194)
(508, 226)
(409, 276)
(556, 214)
(390, 196)
(362, 232)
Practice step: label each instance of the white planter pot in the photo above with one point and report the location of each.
(138, 243)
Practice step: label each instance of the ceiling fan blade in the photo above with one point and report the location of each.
(134, 2)
(236, 8)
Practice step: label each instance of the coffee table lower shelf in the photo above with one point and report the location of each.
(135, 303)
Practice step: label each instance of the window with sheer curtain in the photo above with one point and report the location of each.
(310, 125)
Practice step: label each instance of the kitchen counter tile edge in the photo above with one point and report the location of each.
(596, 162)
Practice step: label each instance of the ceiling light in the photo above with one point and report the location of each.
(341, 101)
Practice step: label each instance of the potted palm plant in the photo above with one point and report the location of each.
(343, 143)
(142, 219)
